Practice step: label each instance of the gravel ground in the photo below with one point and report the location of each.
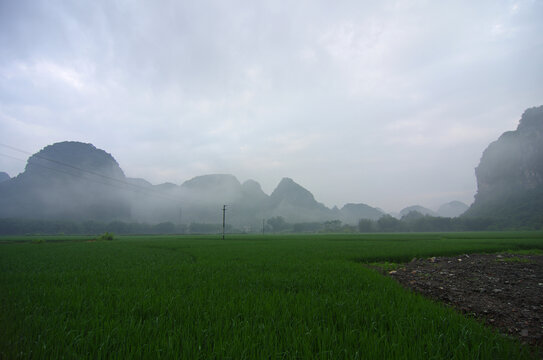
(504, 290)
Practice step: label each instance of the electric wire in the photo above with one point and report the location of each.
(113, 182)
(65, 172)
(70, 166)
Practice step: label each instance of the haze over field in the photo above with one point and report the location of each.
(389, 104)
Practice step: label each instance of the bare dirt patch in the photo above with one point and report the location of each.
(505, 290)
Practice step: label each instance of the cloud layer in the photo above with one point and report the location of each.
(390, 103)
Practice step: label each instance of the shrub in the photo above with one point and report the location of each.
(106, 236)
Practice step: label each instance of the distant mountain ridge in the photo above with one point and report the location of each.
(352, 213)
(67, 180)
(450, 209)
(77, 181)
(510, 174)
(417, 208)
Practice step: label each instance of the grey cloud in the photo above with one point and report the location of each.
(271, 89)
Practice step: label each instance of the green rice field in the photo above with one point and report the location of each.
(246, 297)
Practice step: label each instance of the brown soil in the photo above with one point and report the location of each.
(505, 290)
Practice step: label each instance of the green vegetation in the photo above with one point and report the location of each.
(106, 236)
(290, 296)
(515, 259)
(527, 252)
(413, 222)
(387, 266)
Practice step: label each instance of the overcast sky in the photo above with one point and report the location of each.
(389, 103)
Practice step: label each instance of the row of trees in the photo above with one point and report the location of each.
(412, 222)
(52, 227)
(388, 223)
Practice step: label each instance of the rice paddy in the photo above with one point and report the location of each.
(246, 297)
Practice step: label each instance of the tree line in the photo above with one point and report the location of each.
(412, 222)
(56, 227)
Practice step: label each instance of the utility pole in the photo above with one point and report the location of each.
(223, 219)
(180, 227)
(263, 226)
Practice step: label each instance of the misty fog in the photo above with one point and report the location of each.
(389, 104)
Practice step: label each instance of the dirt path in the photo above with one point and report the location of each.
(505, 290)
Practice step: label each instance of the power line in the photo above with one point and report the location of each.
(12, 157)
(116, 182)
(68, 173)
(71, 166)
